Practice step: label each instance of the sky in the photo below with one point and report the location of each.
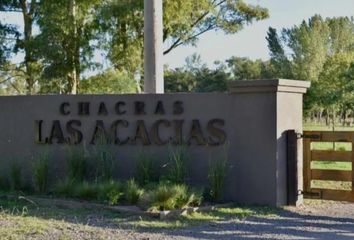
(251, 42)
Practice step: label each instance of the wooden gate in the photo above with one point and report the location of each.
(328, 165)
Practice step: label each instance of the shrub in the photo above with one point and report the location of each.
(65, 188)
(177, 164)
(40, 172)
(147, 170)
(169, 197)
(77, 165)
(110, 191)
(16, 176)
(186, 198)
(133, 192)
(216, 177)
(85, 190)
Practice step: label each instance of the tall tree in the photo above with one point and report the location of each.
(246, 69)
(109, 82)
(184, 22)
(29, 10)
(67, 39)
(317, 50)
(278, 59)
(195, 76)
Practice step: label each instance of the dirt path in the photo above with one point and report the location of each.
(315, 220)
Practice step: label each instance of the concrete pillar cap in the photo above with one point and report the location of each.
(269, 85)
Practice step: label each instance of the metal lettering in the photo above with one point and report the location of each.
(178, 108)
(84, 108)
(155, 132)
(141, 133)
(178, 127)
(100, 134)
(160, 109)
(56, 133)
(115, 132)
(38, 131)
(63, 109)
(139, 108)
(119, 111)
(217, 135)
(102, 110)
(75, 134)
(196, 134)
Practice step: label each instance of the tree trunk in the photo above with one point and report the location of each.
(72, 51)
(344, 117)
(29, 61)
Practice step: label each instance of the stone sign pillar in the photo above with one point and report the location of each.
(153, 46)
(270, 108)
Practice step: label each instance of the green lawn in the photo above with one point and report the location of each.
(315, 127)
(24, 219)
(324, 165)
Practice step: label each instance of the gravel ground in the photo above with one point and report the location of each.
(315, 220)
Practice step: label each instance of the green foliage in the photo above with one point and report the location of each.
(85, 190)
(59, 38)
(196, 77)
(77, 164)
(216, 176)
(23, 41)
(133, 192)
(212, 80)
(180, 80)
(170, 196)
(12, 79)
(64, 188)
(177, 169)
(40, 172)
(319, 50)
(109, 82)
(184, 21)
(246, 69)
(110, 191)
(147, 170)
(16, 176)
(67, 29)
(122, 25)
(6, 31)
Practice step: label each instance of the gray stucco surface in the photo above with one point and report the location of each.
(256, 119)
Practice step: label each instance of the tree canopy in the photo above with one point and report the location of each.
(60, 38)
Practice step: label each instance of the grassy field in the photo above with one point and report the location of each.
(24, 219)
(325, 165)
(316, 127)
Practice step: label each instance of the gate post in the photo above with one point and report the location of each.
(267, 109)
(294, 195)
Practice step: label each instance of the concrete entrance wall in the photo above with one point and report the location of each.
(251, 119)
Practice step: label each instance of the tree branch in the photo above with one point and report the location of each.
(179, 42)
(16, 88)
